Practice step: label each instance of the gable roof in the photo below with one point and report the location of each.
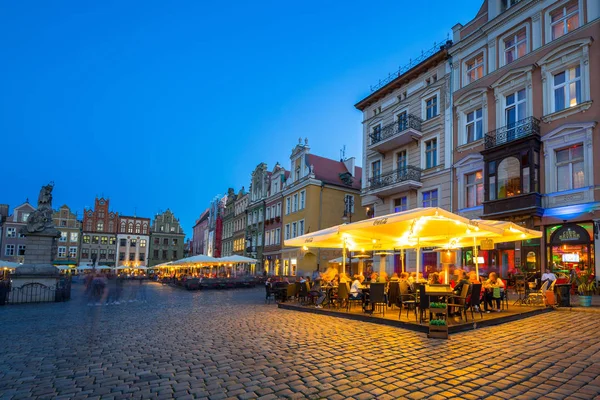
(329, 171)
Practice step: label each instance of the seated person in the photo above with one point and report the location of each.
(549, 276)
(412, 278)
(374, 277)
(394, 277)
(434, 279)
(462, 280)
(317, 292)
(473, 277)
(492, 283)
(355, 289)
(405, 278)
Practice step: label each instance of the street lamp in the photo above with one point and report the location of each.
(348, 206)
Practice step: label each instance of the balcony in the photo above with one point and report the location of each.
(524, 204)
(517, 130)
(396, 181)
(396, 134)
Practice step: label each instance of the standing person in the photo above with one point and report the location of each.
(119, 288)
(142, 290)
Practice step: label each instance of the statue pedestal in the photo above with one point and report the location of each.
(41, 247)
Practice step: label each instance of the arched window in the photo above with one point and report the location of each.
(509, 178)
(137, 228)
(130, 227)
(145, 229)
(123, 227)
(111, 226)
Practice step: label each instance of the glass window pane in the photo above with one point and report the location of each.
(521, 94)
(509, 178)
(521, 111)
(479, 113)
(578, 175)
(470, 117)
(556, 14)
(573, 94)
(470, 178)
(562, 177)
(559, 78)
(510, 99)
(492, 188)
(478, 130)
(521, 49)
(578, 92)
(573, 23)
(526, 180)
(509, 42)
(562, 155)
(521, 35)
(558, 30)
(559, 99)
(576, 152)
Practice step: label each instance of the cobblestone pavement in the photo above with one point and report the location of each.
(229, 344)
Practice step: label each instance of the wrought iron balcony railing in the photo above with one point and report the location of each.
(409, 173)
(526, 127)
(396, 127)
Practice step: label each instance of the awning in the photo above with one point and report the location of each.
(235, 259)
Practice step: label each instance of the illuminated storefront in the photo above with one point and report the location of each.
(570, 246)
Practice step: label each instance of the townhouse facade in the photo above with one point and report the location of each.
(167, 239)
(13, 240)
(272, 258)
(255, 230)
(315, 197)
(69, 243)
(240, 216)
(228, 220)
(199, 241)
(133, 241)
(524, 77)
(99, 236)
(407, 146)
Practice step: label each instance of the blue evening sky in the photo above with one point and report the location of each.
(165, 104)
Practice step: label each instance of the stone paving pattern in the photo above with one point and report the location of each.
(229, 344)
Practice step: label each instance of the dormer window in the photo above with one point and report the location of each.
(297, 173)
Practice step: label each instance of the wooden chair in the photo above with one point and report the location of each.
(460, 301)
(343, 295)
(475, 300)
(377, 296)
(406, 299)
(423, 302)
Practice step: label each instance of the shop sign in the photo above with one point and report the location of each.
(569, 235)
(487, 244)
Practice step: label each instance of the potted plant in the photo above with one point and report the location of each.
(586, 286)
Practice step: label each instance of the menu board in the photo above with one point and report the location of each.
(570, 257)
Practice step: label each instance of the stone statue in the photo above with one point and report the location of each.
(41, 219)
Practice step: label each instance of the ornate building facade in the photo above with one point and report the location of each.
(166, 239)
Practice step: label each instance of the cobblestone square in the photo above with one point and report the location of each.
(229, 344)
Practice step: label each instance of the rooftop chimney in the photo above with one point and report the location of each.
(349, 163)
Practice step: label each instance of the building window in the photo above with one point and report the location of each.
(104, 240)
(103, 254)
(294, 230)
(278, 209)
(24, 217)
(122, 242)
(72, 252)
(111, 226)
(175, 241)
(474, 189)
(112, 240)
(295, 204)
(123, 226)
(302, 199)
(376, 170)
(156, 240)
(509, 179)
(515, 46)
(301, 228)
(430, 198)
(131, 256)
(11, 232)
(21, 250)
(63, 223)
(268, 213)
(474, 68)
(164, 254)
(515, 112)
(570, 168)
(130, 227)
(111, 254)
(100, 226)
(278, 236)
(287, 231)
(145, 229)
(431, 107)
(74, 237)
(288, 205)
(85, 253)
(133, 243)
(567, 88)
(431, 153)
(401, 160)
(400, 204)
(376, 134)
(143, 243)
(165, 242)
(95, 239)
(138, 228)
(62, 251)
(142, 257)
(349, 203)
(474, 125)
(155, 254)
(564, 19)
(86, 239)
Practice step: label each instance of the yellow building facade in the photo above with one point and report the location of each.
(319, 193)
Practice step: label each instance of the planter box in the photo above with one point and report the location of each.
(438, 332)
(585, 301)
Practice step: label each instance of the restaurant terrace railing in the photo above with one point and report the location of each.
(437, 46)
(408, 173)
(396, 127)
(526, 127)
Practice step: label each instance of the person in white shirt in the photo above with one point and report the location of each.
(548, 276)
(492, 283)
(355, 289)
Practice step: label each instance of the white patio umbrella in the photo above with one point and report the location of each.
(9, 264)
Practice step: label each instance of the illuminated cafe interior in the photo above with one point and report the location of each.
(570, 246)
